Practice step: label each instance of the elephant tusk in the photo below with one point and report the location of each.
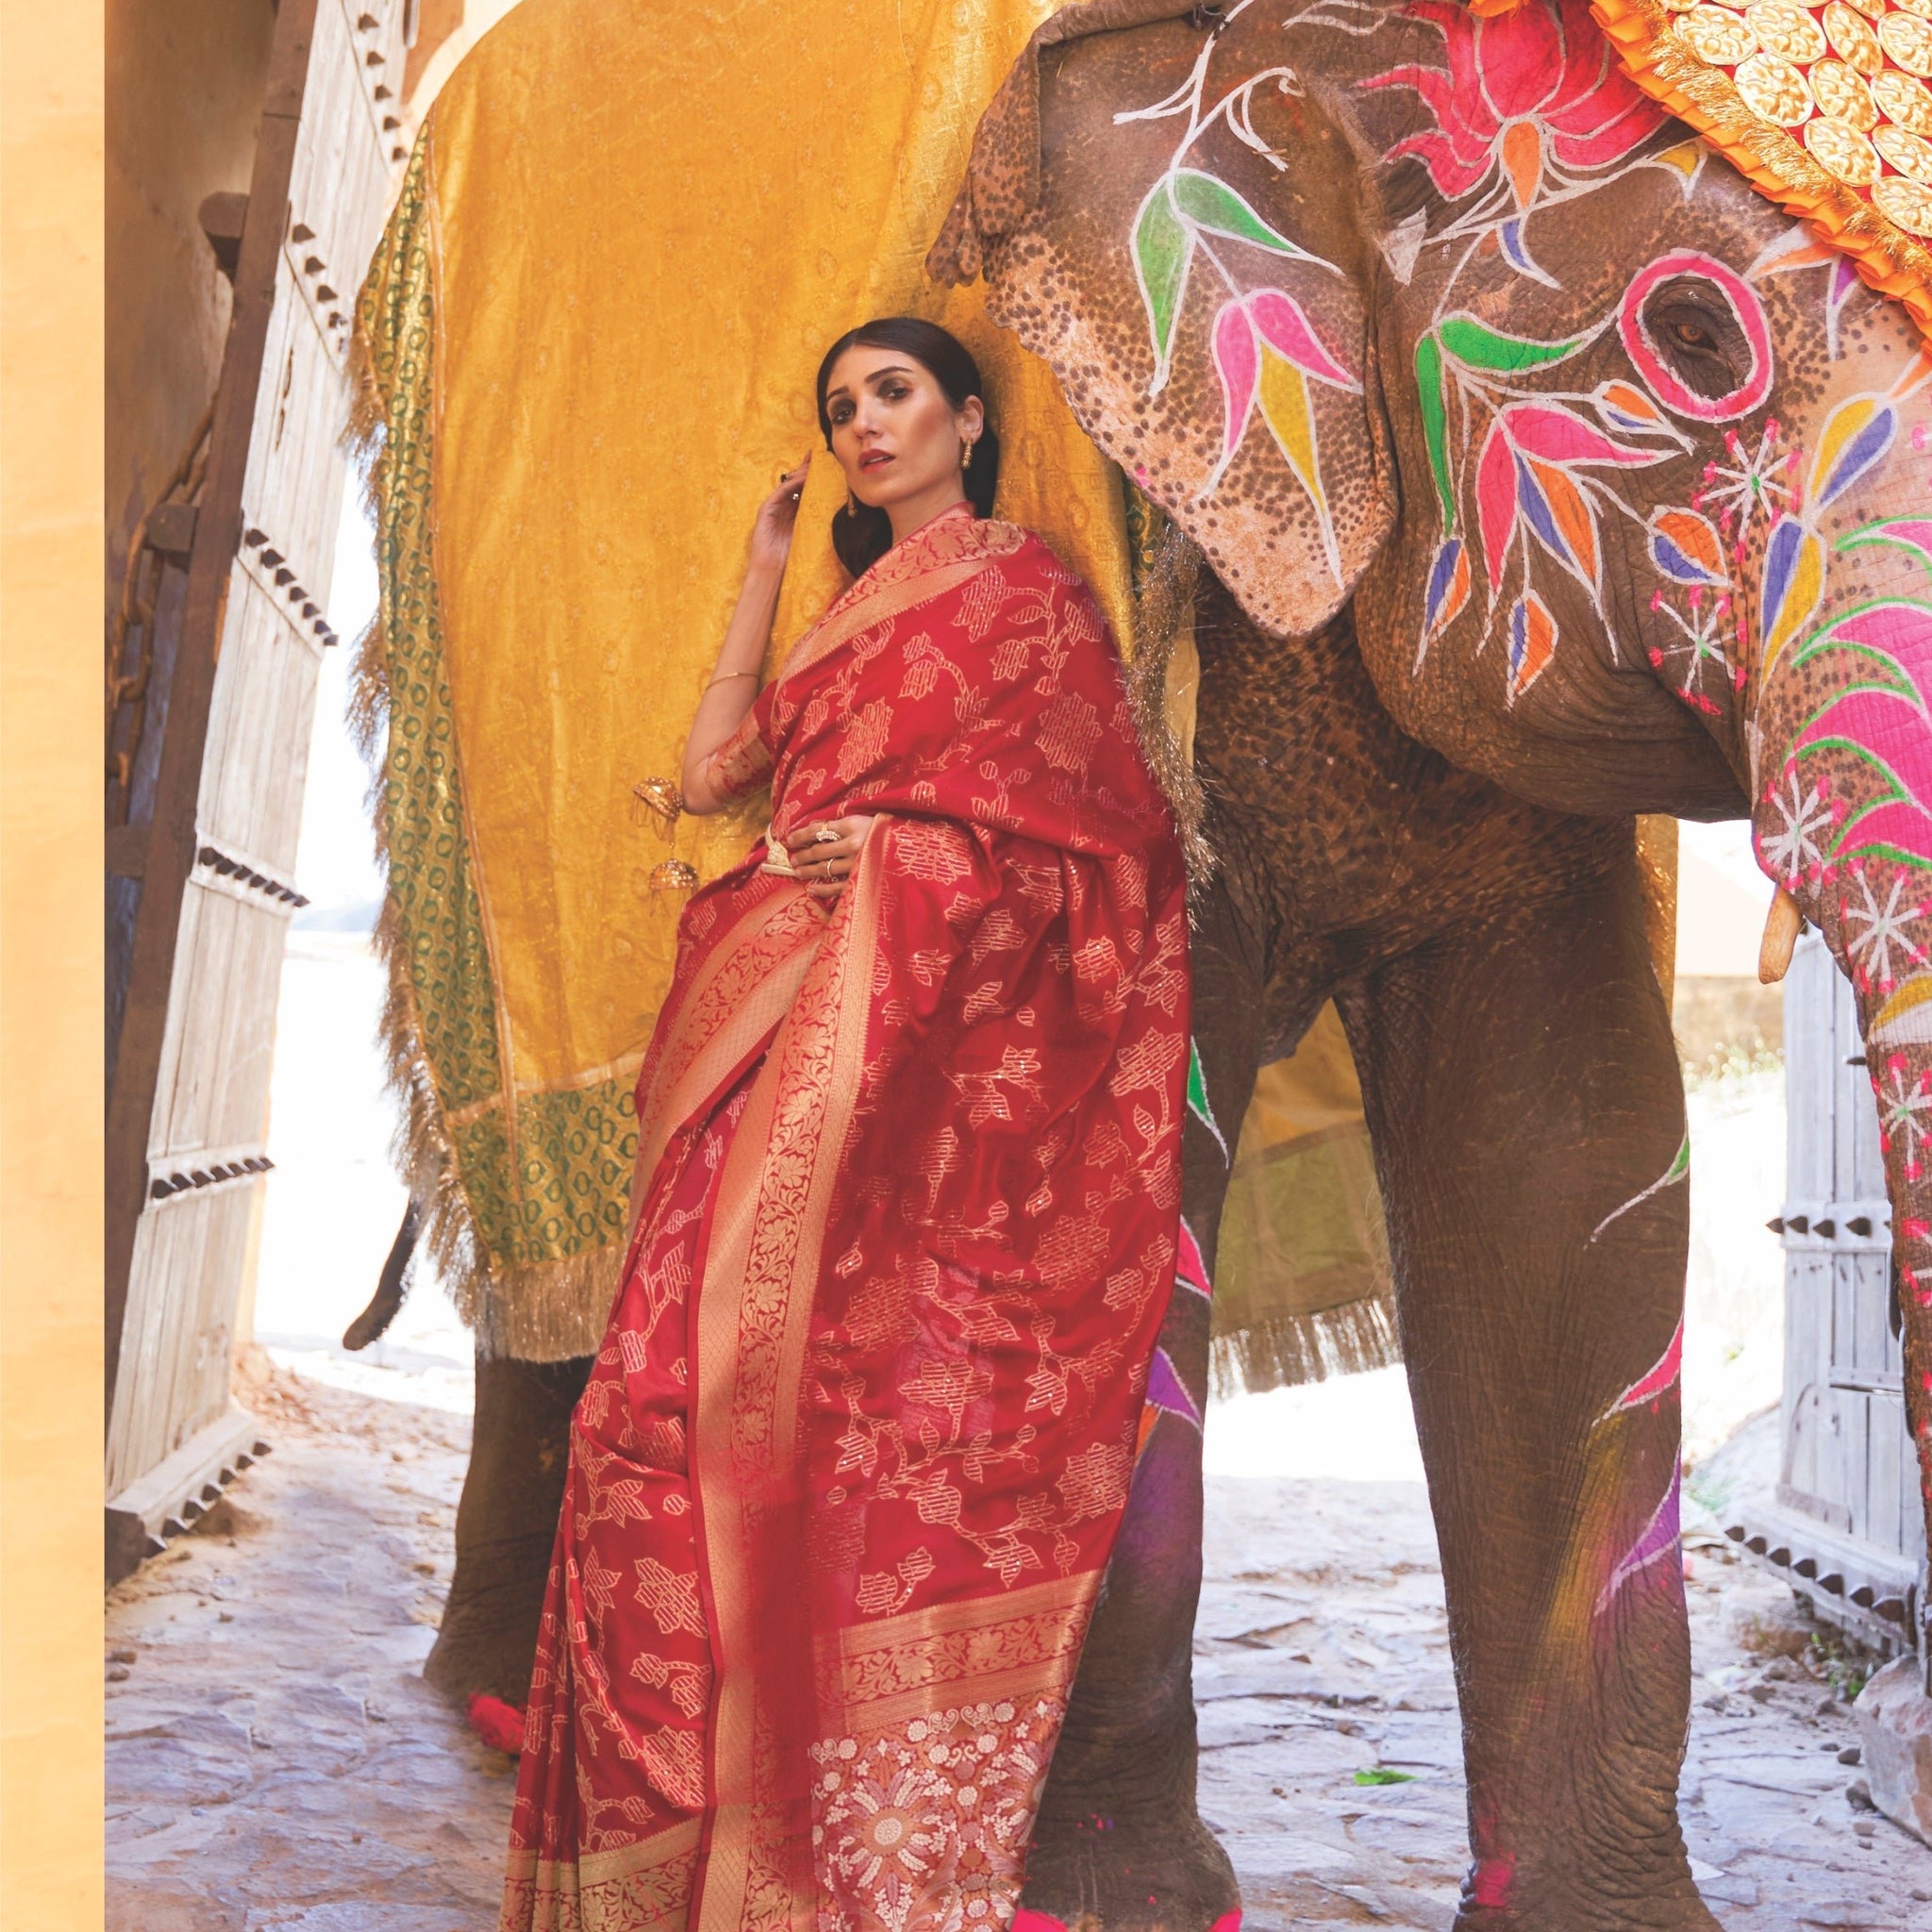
(1782, 925)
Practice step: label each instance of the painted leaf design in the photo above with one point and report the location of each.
(1560, 435)
(1237, 364)
(1428, 382)
(1909, 533)
(1855, 436)
(1281, 323)
(1686, 548)
(1571, 535)
(1290, 420)
(1163, 248)
(1899, 828)
(1515, 250)
(1448, 592)
(1625, 405)
(1199, 1105)
(1892, 640)
(1899, 626)
(1476, 345)
(1532, 642)
(1214, 206)
(1866, 718)
(1656, 1544)
(1874, 725)
(1495, 504)
(1792, 582)
(1658, 1381)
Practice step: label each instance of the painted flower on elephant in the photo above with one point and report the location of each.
(1532, 481)
(1529, 102)
(1904, 1111)
(1265, 350)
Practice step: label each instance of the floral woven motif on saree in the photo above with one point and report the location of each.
(853, 1456)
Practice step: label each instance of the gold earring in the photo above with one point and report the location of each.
(851, 504)
(965, 455)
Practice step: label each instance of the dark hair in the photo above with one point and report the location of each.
(863, 534)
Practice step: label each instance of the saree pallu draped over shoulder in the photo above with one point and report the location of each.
(852, 1458)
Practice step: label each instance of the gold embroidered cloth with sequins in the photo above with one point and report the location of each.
(1825, 109)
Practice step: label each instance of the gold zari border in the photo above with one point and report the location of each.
(643, 1888)
(754, 1314)
(1023, 1644)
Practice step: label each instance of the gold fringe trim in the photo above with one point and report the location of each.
(539, 1311)
(362, 436)
(535, 1311)
(1889, 259)
(1282, 1351)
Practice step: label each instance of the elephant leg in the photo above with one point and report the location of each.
(505, 1525)
(1528, 1111)
(1118, 1842)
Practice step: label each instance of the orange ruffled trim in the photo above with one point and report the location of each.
(1893, 263)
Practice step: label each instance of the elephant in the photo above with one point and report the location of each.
(1538, 472)
(1524, 470)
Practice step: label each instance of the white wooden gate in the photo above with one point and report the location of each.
(1843, 1524)
(174, 1433)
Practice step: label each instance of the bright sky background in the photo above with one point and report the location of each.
(335, 864)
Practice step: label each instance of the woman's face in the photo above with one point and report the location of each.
(893, 432)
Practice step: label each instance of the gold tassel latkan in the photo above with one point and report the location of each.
(655, 798)
(673, 876)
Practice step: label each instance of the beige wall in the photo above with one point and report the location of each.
(50, 966)
(184, 85)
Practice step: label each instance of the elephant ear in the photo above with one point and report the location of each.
(1164, 217)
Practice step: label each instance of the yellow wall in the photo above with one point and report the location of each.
(51, 220)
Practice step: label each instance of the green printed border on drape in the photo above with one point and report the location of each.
(528, 1234)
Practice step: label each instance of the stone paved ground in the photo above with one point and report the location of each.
(275, 1760)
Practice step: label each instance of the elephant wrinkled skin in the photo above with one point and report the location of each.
(1548, 475)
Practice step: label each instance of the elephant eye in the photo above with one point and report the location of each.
(1696, 332)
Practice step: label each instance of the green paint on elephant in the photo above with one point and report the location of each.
(1428, 382)
(1478, 347)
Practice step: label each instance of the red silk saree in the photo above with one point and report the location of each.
(851, 1460)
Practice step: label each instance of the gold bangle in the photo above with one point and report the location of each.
(725, 677)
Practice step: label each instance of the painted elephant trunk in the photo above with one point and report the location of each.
(1840, 730)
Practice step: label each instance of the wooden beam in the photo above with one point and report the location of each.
(170, 848)
(171, 1495)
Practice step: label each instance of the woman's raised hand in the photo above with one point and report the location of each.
(770, 532)
(826, 863)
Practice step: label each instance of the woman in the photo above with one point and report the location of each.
(849, 1465)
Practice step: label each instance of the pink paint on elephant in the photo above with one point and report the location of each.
(1523, 69)
(1649, 359)
(1657, 1541)
(1655, 1382)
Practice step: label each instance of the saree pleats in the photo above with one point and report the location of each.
(852, 1458)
